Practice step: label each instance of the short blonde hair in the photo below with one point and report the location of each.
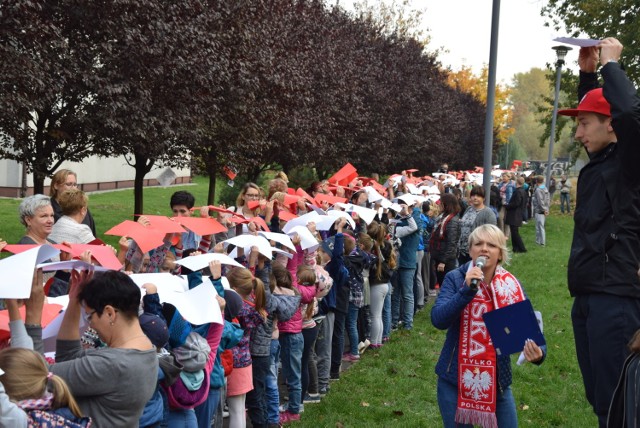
(72, 201)
(492, 234)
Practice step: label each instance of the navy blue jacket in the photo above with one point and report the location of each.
(454, 296)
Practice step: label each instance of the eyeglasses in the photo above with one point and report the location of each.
(71, 184)
(88, 316)
(252, 195)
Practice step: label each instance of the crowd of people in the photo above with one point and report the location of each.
(348, 262)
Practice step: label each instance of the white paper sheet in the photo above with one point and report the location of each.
(198, 305)
(280, 238)
(248, 241)
(164, 282)
(307, 239)
(70, 264)
(17, 271)
(583, 43)
(201, 261)
(302, 221)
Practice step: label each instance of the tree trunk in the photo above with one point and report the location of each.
(142, 166)
(212, 162)
(38, 181)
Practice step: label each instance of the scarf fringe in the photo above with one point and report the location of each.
(470, 416)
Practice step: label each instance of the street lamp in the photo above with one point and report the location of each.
(561, 53)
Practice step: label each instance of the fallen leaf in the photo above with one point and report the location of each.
(364, 404)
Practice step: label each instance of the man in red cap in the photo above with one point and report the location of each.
(605, 253)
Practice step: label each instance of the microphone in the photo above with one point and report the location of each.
(480, 262)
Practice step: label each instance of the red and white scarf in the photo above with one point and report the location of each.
(477, 370)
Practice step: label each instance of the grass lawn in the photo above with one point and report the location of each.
(395, 386)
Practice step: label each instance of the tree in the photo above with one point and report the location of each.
(48, 87)
(465, 80)
(599, 19)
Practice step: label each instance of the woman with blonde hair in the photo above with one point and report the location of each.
(468, 353)
(69, 228)
(65, 179)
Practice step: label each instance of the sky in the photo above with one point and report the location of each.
(463, 27)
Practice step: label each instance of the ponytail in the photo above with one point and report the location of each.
(62, 396)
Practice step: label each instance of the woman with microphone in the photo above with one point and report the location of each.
(474, 382)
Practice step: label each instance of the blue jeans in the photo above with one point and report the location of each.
(386, 314)
(564, 199)
(271, 385)
(403, 293)
(352, 328)
(291, 356)
(183, 418)
(448, 403)
(206, 411)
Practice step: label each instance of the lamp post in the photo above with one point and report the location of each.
(561, 53)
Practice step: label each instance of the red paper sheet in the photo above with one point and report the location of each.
(320, 197)
(286, 215)
(201, 226)
(49, 312)
(344, 176)
(259, 221)
(164, 224)
(146, 238)
(104, 255)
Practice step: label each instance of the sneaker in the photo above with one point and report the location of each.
(385, 339)
(322, 392)
(350, 358)
(376, 346)
(225, 410)
(433, 293)
(362, 346)
(334, 376)
(282, 408)
(287, 417)
(311, 399)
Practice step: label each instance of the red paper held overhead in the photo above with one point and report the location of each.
(201, 226)
(146, 238)
(344, 176)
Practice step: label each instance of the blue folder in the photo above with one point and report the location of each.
(511, 326)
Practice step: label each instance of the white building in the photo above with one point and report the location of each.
(94, 173)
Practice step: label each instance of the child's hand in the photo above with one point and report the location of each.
(150, 288)
(216, 269)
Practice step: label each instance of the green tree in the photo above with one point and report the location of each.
(599, 19)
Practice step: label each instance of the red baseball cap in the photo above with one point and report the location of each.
(592, 102)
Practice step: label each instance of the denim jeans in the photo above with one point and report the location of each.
(182, 418)
(352, 328)
(448, 403)
(379, 294)
(271, 385)
(386, 313)
(206, 411)
(540, 232)
(256, 398)
(564, 202)
(291, 355)
(323, 350)
(404, 294)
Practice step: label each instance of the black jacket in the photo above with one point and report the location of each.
(605, 253)
(515, 207)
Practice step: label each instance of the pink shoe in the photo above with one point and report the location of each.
(375, 346)
(350, 358)
(286, 417)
